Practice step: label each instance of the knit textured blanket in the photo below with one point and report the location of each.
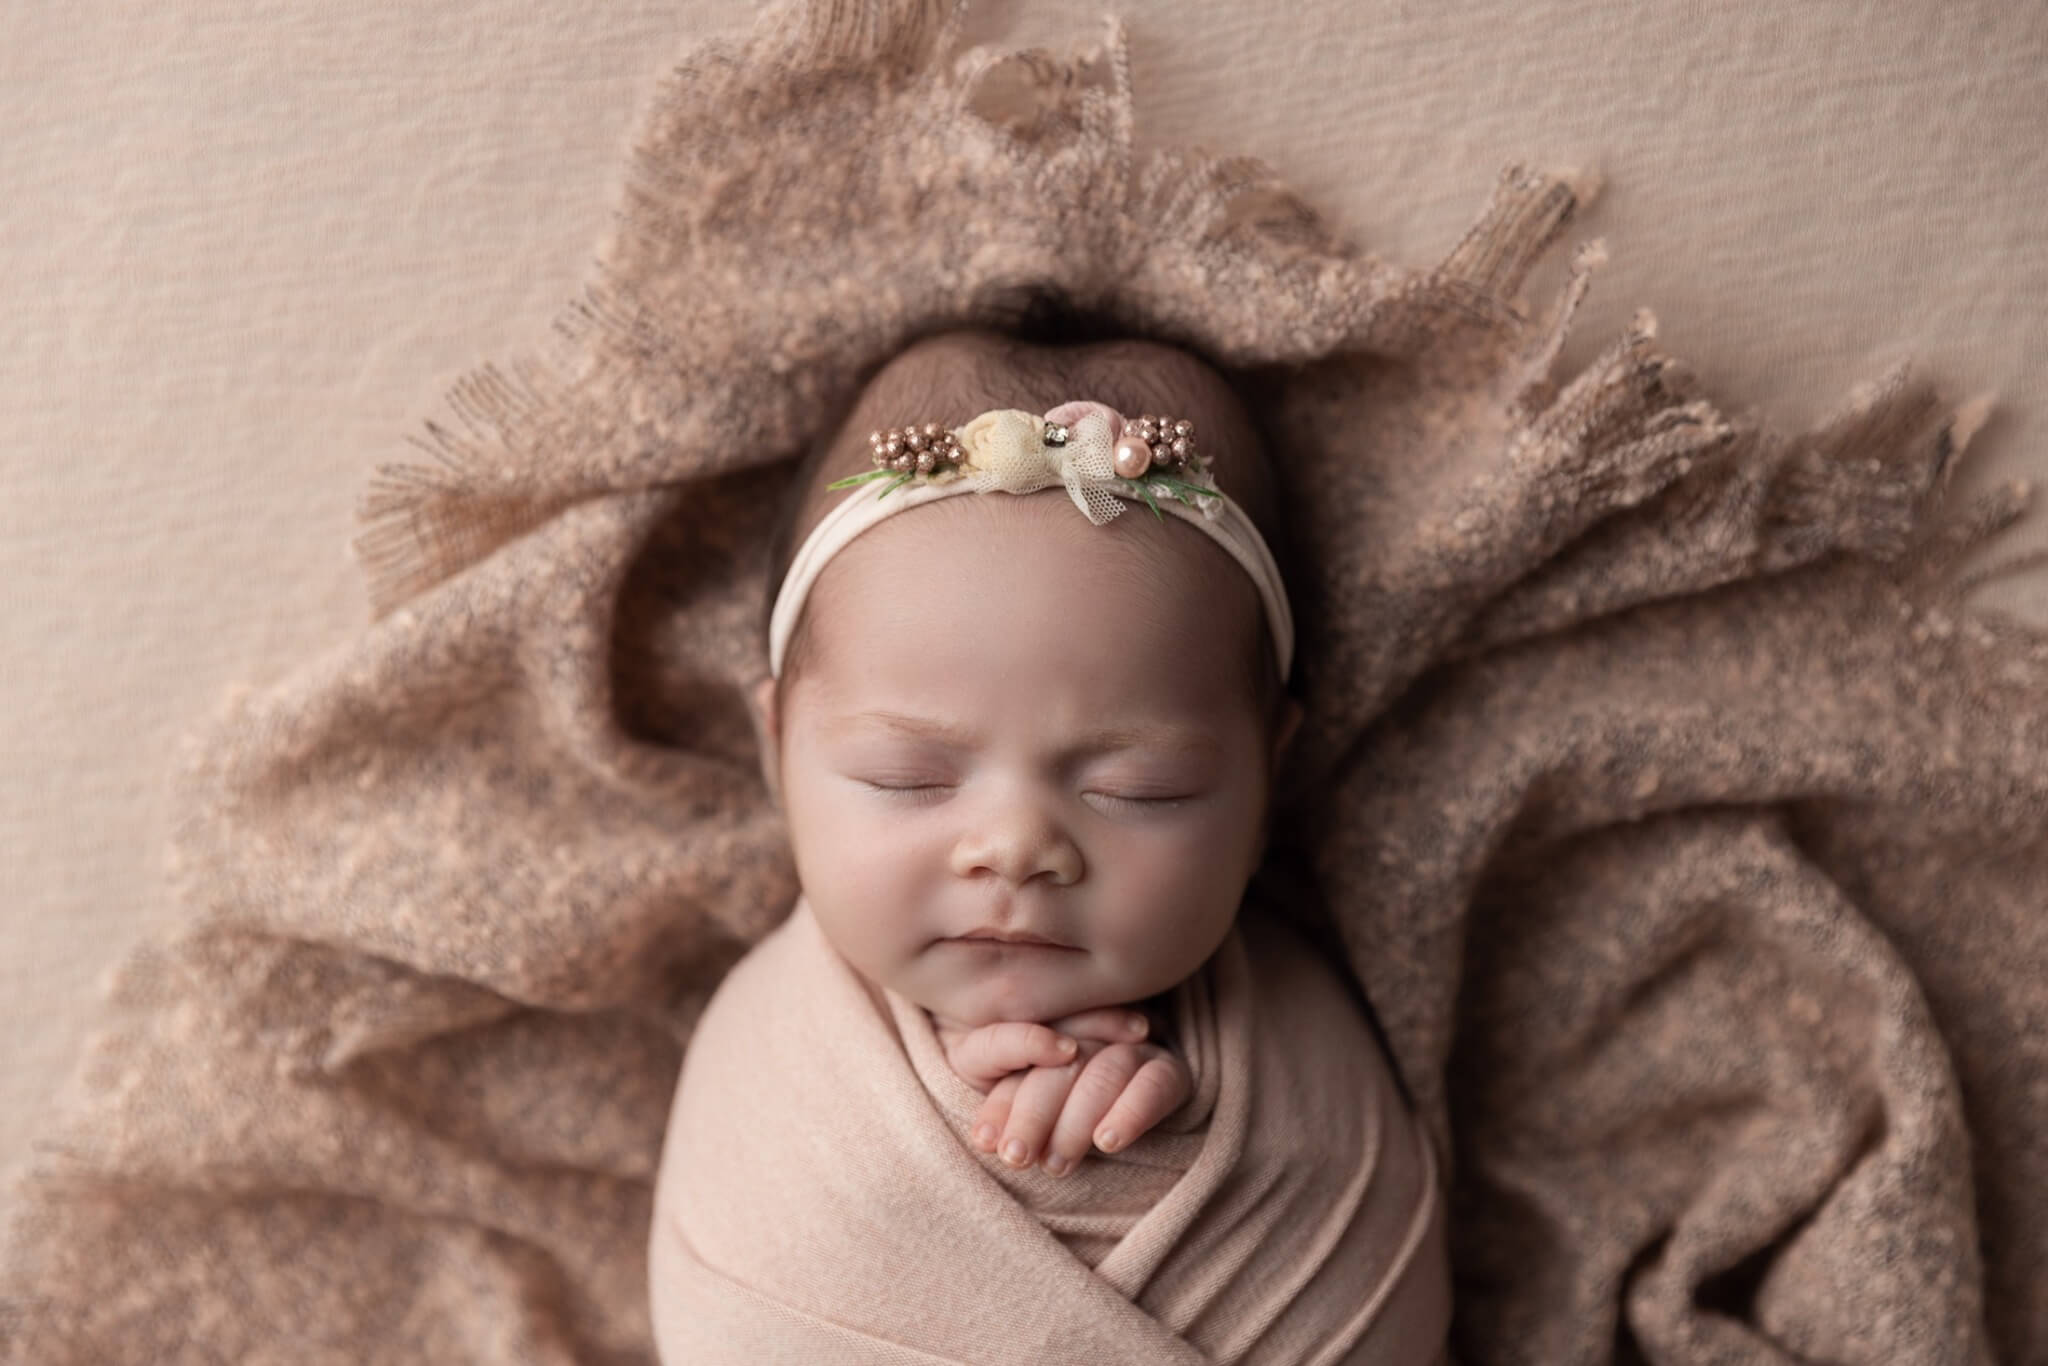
(819, 1199)
(1680, 822)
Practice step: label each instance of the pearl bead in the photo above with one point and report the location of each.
(1133, 456)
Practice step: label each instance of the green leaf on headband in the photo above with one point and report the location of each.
(1146, 494)
(1175, 486)
(851, 480)
(901, 480)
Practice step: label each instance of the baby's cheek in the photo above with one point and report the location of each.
(1173, 906)
(834, 834)
(888, 876)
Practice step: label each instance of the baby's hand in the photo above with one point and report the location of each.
(1058, 1094)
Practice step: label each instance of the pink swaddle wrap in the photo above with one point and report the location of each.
(818, 1200)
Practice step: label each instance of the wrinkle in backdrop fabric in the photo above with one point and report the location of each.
(1681, 823)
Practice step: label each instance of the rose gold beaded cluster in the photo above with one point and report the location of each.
(915, 449)
(1155, 440)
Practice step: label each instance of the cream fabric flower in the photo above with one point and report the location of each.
(1009, 444)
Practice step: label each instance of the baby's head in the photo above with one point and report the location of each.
(994, 713)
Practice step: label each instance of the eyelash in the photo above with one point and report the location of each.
(1136, 803)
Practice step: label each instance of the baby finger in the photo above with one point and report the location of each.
(1032, 1112)
(1157, 1089)
(996, 1050)
(1105, 1024)
(1105, 1078)
(995, 1112)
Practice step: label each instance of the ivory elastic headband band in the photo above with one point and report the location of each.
(1103, 459)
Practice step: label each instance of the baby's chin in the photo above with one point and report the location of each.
(979, 984)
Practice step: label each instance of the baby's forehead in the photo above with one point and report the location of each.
(996, 536)
(1003, 554)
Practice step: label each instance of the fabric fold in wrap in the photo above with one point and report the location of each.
(818, 1199)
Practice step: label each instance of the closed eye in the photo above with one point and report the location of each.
(925, 792)
(909, 791)
(1141, 803)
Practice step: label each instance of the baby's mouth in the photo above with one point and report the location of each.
(1010, 939)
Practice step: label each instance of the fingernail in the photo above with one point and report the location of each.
(1136, 1024)
(985, 1135)
(1014, 1153)
(1056, 1164)
(1067, 1045)
(1106, 1140)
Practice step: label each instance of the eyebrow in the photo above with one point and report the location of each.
(1101, 741)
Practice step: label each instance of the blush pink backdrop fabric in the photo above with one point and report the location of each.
(1683, 827)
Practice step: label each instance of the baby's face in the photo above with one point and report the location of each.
(1017, 720)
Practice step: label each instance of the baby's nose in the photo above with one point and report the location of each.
(1017, 840)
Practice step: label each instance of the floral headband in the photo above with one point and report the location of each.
(1102, 458)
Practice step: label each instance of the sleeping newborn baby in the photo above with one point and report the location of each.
(1025, 1076)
